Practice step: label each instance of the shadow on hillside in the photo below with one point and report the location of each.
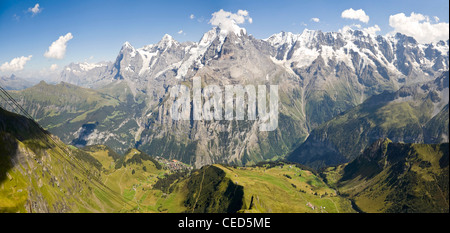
(13, 128)
(86, 130)
(8, 149)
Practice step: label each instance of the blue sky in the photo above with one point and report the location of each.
(99, 28)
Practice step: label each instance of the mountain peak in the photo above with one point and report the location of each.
(221, 33)
(42, 83)
(309, 35)
(282, 38)
(167, 41)
(224, 30)
(127, 48)
(405, 38)
(167, 37)
(127, 45)
(352, 34)
(310, 32)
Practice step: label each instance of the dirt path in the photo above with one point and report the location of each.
(199, 192)
(440, 190)
(120, 182)
(334, 204)
(303, 198)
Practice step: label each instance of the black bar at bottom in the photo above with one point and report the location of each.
(143, 223)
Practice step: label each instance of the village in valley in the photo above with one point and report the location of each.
(173, 165)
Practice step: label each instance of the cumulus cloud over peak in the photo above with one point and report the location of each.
(53, 67)
(57, 49)
(355, 14)
(420, 27)
(230, 21)
(15, 64)
(372, 30)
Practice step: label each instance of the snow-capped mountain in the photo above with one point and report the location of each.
(319, 75)
(390, 60)
(397, 55)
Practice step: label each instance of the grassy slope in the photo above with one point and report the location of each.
(271, 190)
(281, 188)
(63, 189)
(216, 188)
(407, 178)
(81, 100)
(38, 176)
(134, 179)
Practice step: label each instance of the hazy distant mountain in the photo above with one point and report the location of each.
(84, 74)
(15, 83)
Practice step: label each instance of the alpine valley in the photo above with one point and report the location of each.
(362, 127)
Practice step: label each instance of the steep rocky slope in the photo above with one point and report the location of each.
(415, 113)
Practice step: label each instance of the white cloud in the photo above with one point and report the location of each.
(242, 12)
(436, 19)
(57, 49)
(192, 16)
(372, 30)
(229, 21)
(315, 20)
(180, 31)
(53, 67)
(420, 27)
(35, 10)
(15, 64)
(355, 14)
